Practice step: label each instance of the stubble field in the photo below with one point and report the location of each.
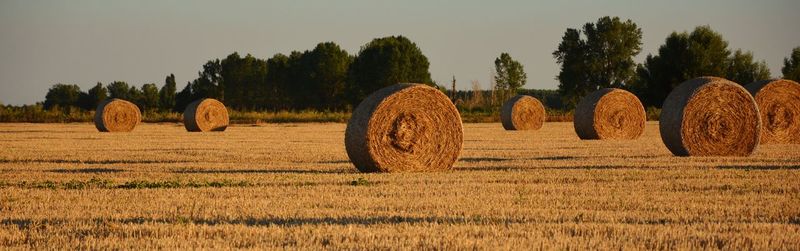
(292, 186)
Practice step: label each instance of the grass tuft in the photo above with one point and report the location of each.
(361, 181)
(95, 183)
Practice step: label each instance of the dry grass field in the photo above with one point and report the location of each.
(292, 186)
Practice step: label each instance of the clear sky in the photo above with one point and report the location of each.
(85, 42)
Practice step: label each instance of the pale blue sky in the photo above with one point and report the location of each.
(83, 42)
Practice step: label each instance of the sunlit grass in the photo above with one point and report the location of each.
(288, 185)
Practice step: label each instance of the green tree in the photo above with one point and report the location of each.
(166, 96)
(509, 76)
(684, 56)
(324, 77)
(574, 74)
(383, 62)
(604, 58)
(183, 98)
(207, 85)
(149, 97)
(209, 82)
(742, 69)
(137, 97)
(62, 96)
(791, 66)
(242, 79)
(295, 90)
(120, 90)
(90, 99)
(280, 77)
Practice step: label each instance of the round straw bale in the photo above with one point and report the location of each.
(609, 113)
(710, 116)
(522, 112)
(205, 115)
(116, 115)
(404, 128)
(779, 103)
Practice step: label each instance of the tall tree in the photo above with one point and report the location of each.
(183, 98)
(90, 99)
(324, 77)
(742, 69)
(209, 82)
(708, 53)
(62, 96)
(791, 65)
(383, 62)
(120, 90)
(166, 96)
(230, 73)
(137, 97)
(604, 58)
(574, 75)
(207, 85)
(509, 76)
(275, 89)
(295, 90)
(242, 77)
(684, 56)
(149, 97)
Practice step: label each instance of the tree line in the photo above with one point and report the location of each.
(328, 78)
(600, 55)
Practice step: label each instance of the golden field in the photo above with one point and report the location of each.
(292, 186)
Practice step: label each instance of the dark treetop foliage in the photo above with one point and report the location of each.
(148, 100)
(323, 78)
(241, 78)
(279, 80)
(791, 66)
(62, 95)
(209, 82)
(166, 96)
(120, 90)
(742, 69)
(384, 62)
(303, 80)
(183, 98)
(686, 56)
(594, 56)
(602, 58)
(320, 79)
(207, 85)
(509, 76)
(90, 99)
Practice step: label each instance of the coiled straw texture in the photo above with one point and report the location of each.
(404, 128)
(522, 112)
(609, 113)
(116, 115)
(205, 115)
(779, 104)
(710, 116)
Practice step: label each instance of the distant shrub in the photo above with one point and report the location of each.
(653, 113)
(156, 117)
(37, 114)
(361, 181)
(288, 117)
(556, 115)
(95, 183)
